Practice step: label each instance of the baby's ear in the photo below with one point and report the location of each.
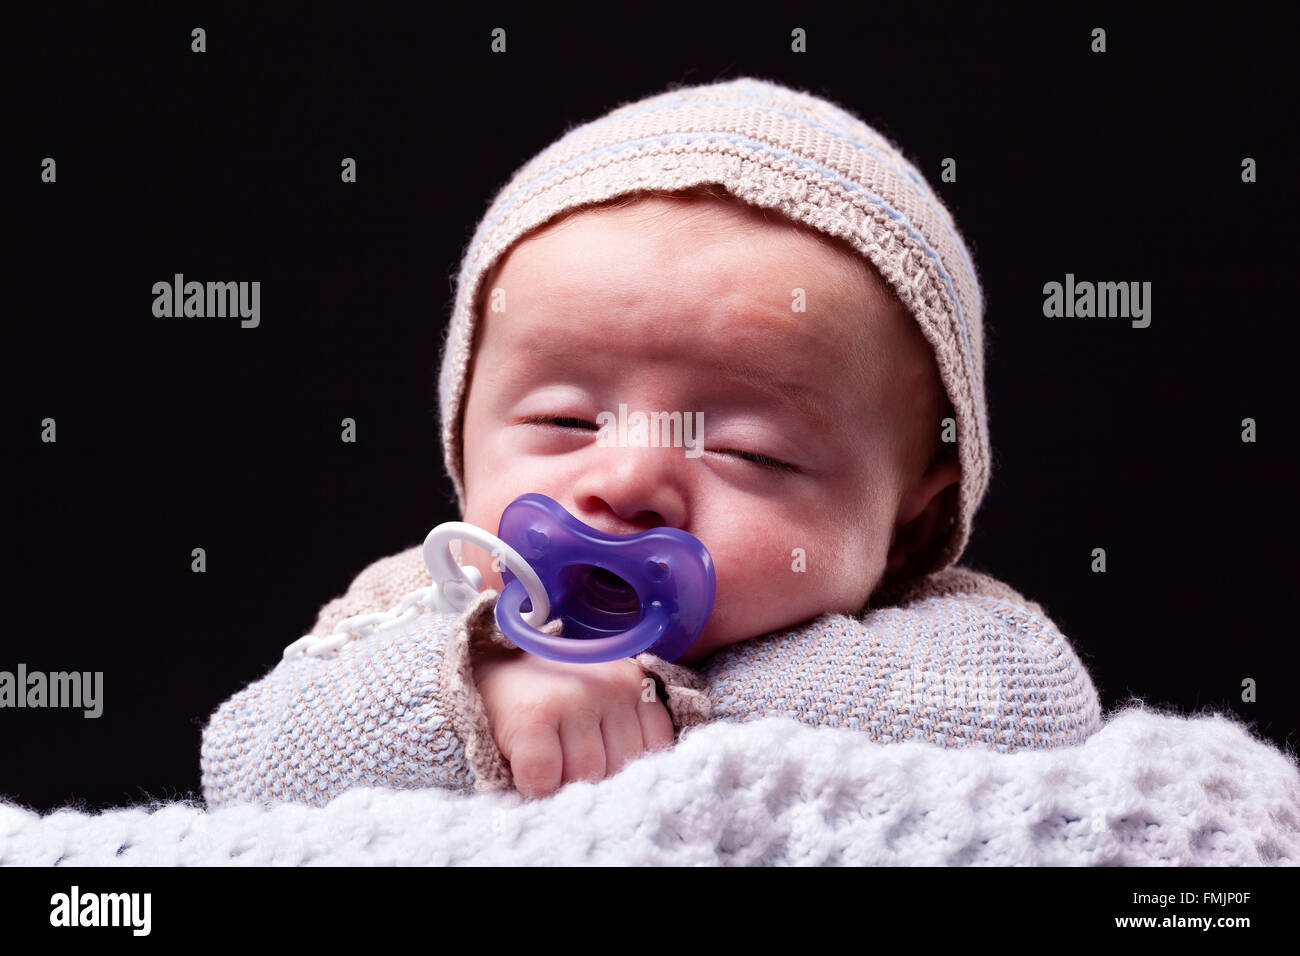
(923, 514)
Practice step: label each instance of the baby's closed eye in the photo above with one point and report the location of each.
(568, 421)
(561, 420)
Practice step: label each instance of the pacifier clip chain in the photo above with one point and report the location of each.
(453, 589)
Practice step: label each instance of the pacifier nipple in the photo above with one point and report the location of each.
(600, 593)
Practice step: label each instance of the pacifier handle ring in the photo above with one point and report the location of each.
(452, 583)
(629, 643)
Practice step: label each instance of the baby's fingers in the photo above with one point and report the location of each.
(623, 742)
(584, 747)
(536, 760)
(656, 724)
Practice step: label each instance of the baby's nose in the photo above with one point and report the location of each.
(633, 489)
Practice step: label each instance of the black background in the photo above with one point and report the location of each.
(183, 433)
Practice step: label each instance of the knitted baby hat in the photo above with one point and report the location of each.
(772, 147)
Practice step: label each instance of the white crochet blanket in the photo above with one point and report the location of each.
(1148, 789)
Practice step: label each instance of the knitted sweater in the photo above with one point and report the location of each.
(957, 659)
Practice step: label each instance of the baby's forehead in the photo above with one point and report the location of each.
(676, 246)
(699, 245)
(704, 275)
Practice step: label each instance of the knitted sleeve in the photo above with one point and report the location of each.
(960, 660)
(397, 710)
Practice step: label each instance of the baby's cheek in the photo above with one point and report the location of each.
(831, 570)
(766, 574)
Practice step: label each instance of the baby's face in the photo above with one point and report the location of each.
(810, 418)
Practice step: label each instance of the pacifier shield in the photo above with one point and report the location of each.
(618, 595)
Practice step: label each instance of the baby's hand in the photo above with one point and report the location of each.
(557, 722)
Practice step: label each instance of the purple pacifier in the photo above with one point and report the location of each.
(618, 594)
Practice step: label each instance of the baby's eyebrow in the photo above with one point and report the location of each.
(805, 400)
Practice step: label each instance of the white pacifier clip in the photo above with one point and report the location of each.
(453, 589)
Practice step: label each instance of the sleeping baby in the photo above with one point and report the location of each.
(758, 261)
